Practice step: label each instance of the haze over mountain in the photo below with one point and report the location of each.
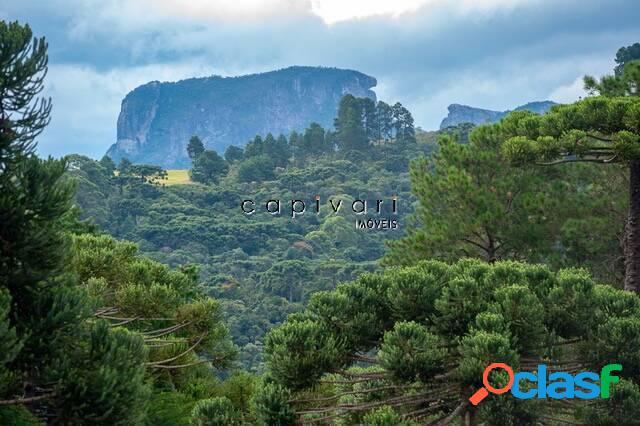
(157, 119)
(459, 114)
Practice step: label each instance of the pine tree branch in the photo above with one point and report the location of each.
(558, 420)
(175, 367)
(153, 334)
(364, 358)
(28, 400)
(455, 413)
(338, 395)
(164, 361)
(599, 138)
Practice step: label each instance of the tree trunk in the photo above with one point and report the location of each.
(632, 231)
(491, 251)
(470, 418)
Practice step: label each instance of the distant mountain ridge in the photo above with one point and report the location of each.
(157, 119)
(459, 114)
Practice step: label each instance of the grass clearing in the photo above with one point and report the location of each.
(177, 177)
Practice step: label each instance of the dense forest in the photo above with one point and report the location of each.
(264, 267)
(128, 300)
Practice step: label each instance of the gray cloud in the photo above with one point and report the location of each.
(496, 58)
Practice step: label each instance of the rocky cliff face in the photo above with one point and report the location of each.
(459, 114)
(157, 119)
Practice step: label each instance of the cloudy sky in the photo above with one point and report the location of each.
(426, 54)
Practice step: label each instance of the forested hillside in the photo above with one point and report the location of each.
(264, 267)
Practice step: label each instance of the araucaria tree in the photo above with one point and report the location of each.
(195, 147)
(604, 129)
(474, 204)
(53, 355)
(411, 344)
(208, 167)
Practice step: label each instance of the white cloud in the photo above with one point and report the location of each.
(123, 17)
(333, 11)
(138, 15)
(568, 93)
(573, 90)
(229, 10)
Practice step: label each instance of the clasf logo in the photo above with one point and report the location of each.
(557, 385)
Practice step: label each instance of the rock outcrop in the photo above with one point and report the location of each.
(459, 114)
(157, 119)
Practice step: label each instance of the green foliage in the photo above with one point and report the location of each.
(403, 124)
(570, 302)
(118, 262)
(23, 60)
(504, 410)
(384, 116)
(472, 203)
(233, 154)
(617, 339)
(410, 351)
(385, 416)
(593, 128)
(412, 291)
(429, 328)
(58, 353)
(481, 313)
(620, 409)
(256, 168)
(623, 83)
(34, 199)
(103, 382)
(286, 279)
(96, 333)
(624, 55)
(9, 344)
(18, 415)
(169, 409)
(146, 173)
(479, 349)
(195, 147)
(155, 295)
(272, 407)
(277, 150)
(475, 202)
(319, 352)
(208, 167)
(350, 131)
(313, 141)
(214, 412)
(108, 164)
(524, 314)
(242, 257)
(79, 370)
(123, 166)
(459, 302)
(240, 388)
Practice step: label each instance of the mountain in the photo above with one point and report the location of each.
(157, 119)
(459, 114)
